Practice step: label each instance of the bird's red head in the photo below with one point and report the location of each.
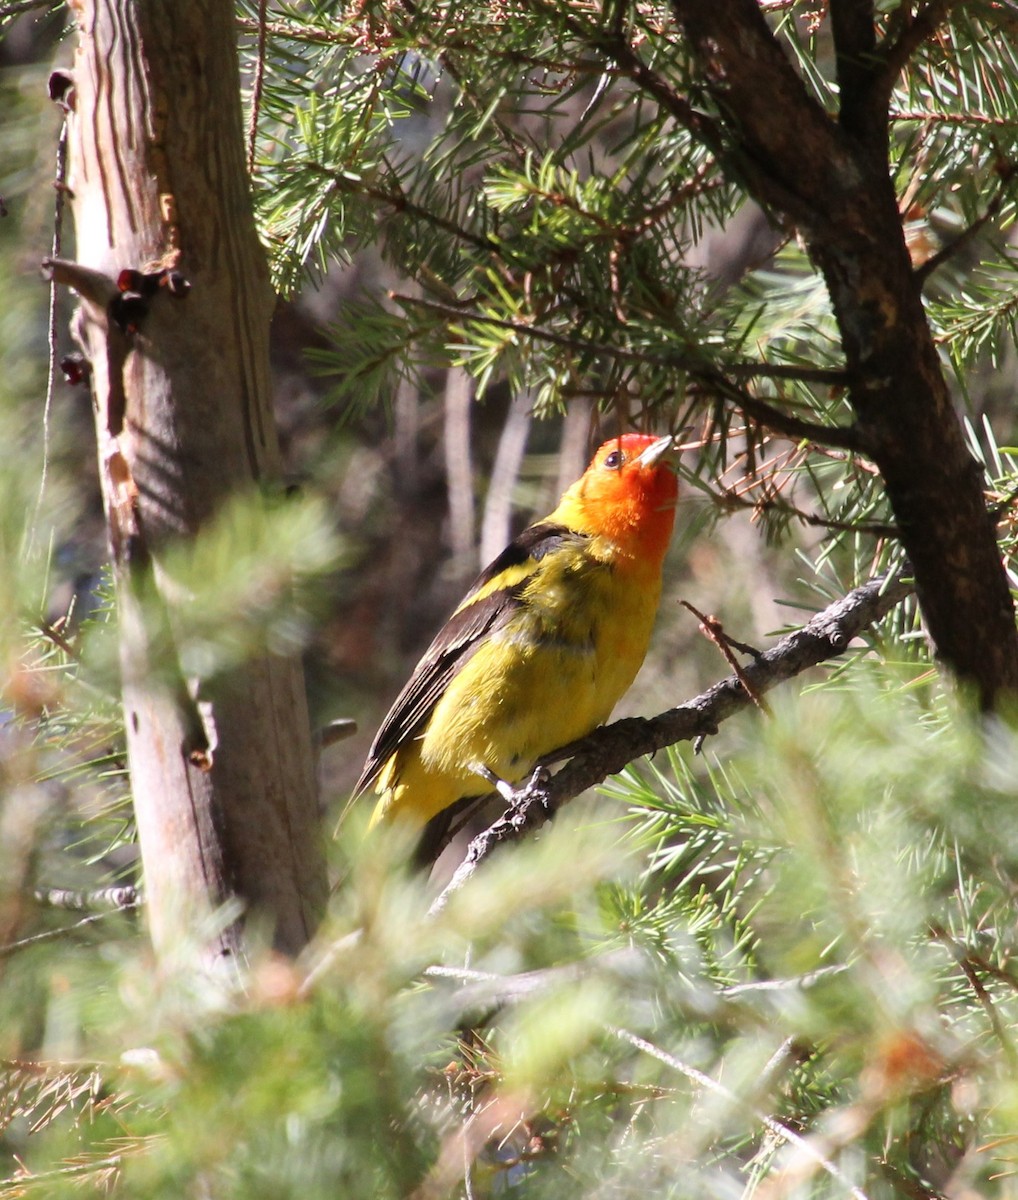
(628, 494)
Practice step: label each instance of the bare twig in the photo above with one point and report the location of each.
(109, 899)
(95, 287)
(806, 1147)
(49, 935)
(56, 247)
(612, 747)
(926, 269)
(714, 631)
(14, 8)
(258, 86)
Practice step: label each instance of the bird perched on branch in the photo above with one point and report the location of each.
(541, 648)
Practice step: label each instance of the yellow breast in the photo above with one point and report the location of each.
(552, 674)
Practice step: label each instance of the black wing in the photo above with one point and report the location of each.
(481, 612)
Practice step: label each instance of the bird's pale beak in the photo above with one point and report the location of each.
(663, 450)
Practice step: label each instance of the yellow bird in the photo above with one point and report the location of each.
(540, 650)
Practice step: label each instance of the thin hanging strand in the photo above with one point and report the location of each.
(60, 188)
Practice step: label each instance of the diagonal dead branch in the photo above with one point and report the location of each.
(714, 631)
(612, 747)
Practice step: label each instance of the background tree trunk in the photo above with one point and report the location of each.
(222, 770)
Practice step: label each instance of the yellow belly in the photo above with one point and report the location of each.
(551, 675)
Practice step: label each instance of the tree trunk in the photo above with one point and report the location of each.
(221, 770)
(830, 179)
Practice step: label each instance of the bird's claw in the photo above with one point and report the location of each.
(522, 796)
(515, 795)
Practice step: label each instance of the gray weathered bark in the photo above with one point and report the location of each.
(222, 769)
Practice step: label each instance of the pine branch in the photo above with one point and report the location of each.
(775, 148)
(684, 361)
(699, 124)
(852, 24)
(843, 437)
(728, 498)
(839, 192)
(397, 199)
(947, 252)
(812, 1150)
(898, 51)
(611, 748)
(939, 117)
(465, 82)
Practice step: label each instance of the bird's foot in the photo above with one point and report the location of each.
(504, 788)
(524, 795)
(517, 797)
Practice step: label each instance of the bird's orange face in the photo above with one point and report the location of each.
(630, 489)
(634, 463)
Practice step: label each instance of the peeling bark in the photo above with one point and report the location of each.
(221, 770)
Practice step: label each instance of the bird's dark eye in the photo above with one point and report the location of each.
(615, 460)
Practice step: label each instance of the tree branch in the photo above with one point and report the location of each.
(854, 34)
(838, 189)
(612, 747)
(702, 126)
(14, 8)
(741, 60)
(896, 53)
(684, 361)
(948, 251)
(843, 437)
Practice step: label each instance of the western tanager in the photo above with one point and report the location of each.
(542, 646)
